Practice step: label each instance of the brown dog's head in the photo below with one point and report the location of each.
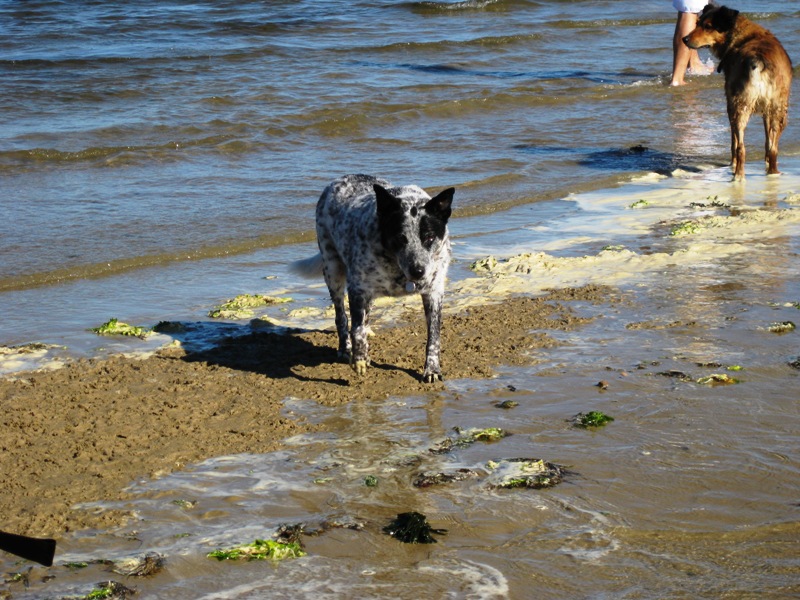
(713, 26)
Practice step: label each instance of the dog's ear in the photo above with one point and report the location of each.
(725, 18)
(440, 204)
(708, 7)
(385, 201)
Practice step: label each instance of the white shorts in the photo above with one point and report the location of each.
(690, 6)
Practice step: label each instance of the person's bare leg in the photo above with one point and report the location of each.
(683, 57)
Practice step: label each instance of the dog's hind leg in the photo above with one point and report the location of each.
(360, 305)
(774, 124)
(433, 316)
(738, 119)
(334, 272)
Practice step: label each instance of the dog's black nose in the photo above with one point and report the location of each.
(416, 272)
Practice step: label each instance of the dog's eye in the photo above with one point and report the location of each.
(428, 240)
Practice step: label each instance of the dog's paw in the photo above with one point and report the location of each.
(360, 366)
(430, 377)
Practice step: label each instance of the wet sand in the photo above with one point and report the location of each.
(84, 432)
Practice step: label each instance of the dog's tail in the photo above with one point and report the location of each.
(308, 268)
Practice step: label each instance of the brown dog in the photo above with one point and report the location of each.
(758, 75)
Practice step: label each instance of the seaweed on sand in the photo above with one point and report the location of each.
(532, 473)
(150, 564)
(29, 348)
(109, 590)
(593, 418)
(116, 327)
(685, 228)
(484, 264)
(412, 528)
(241, 307)
(428, 479)
(782, 327)
(260, 550)
(507, 404)
(717, 379)
(468, 437)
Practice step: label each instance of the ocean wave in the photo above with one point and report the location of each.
(139, 58)
(460, 5)
(553, 77)
(123, 155)
(112, 267)
(606, 23)
(432, 47)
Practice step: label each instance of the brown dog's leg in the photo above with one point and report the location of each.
(738, 119)
(774, 123)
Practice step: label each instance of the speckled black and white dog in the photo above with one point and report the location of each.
(379, 240)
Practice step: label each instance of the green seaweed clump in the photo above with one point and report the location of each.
(142, 566)
(784, 327)
(183, 503)
(108, 590)
(116, 327)
(241, 307)
(469, 437)
(490, 434)
(260, 550)
(412, 528)
(371, 481)
(685, 228)
(507, 404)
(717, 379)
(639, 204)
(29, 348)
(593, 418)
(424, 480)
(531, 473)
(484, 264)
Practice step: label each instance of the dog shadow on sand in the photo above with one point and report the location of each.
(303, 354)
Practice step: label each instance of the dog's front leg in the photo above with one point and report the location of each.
(433, 316)
(342, 328)
(359, 321)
